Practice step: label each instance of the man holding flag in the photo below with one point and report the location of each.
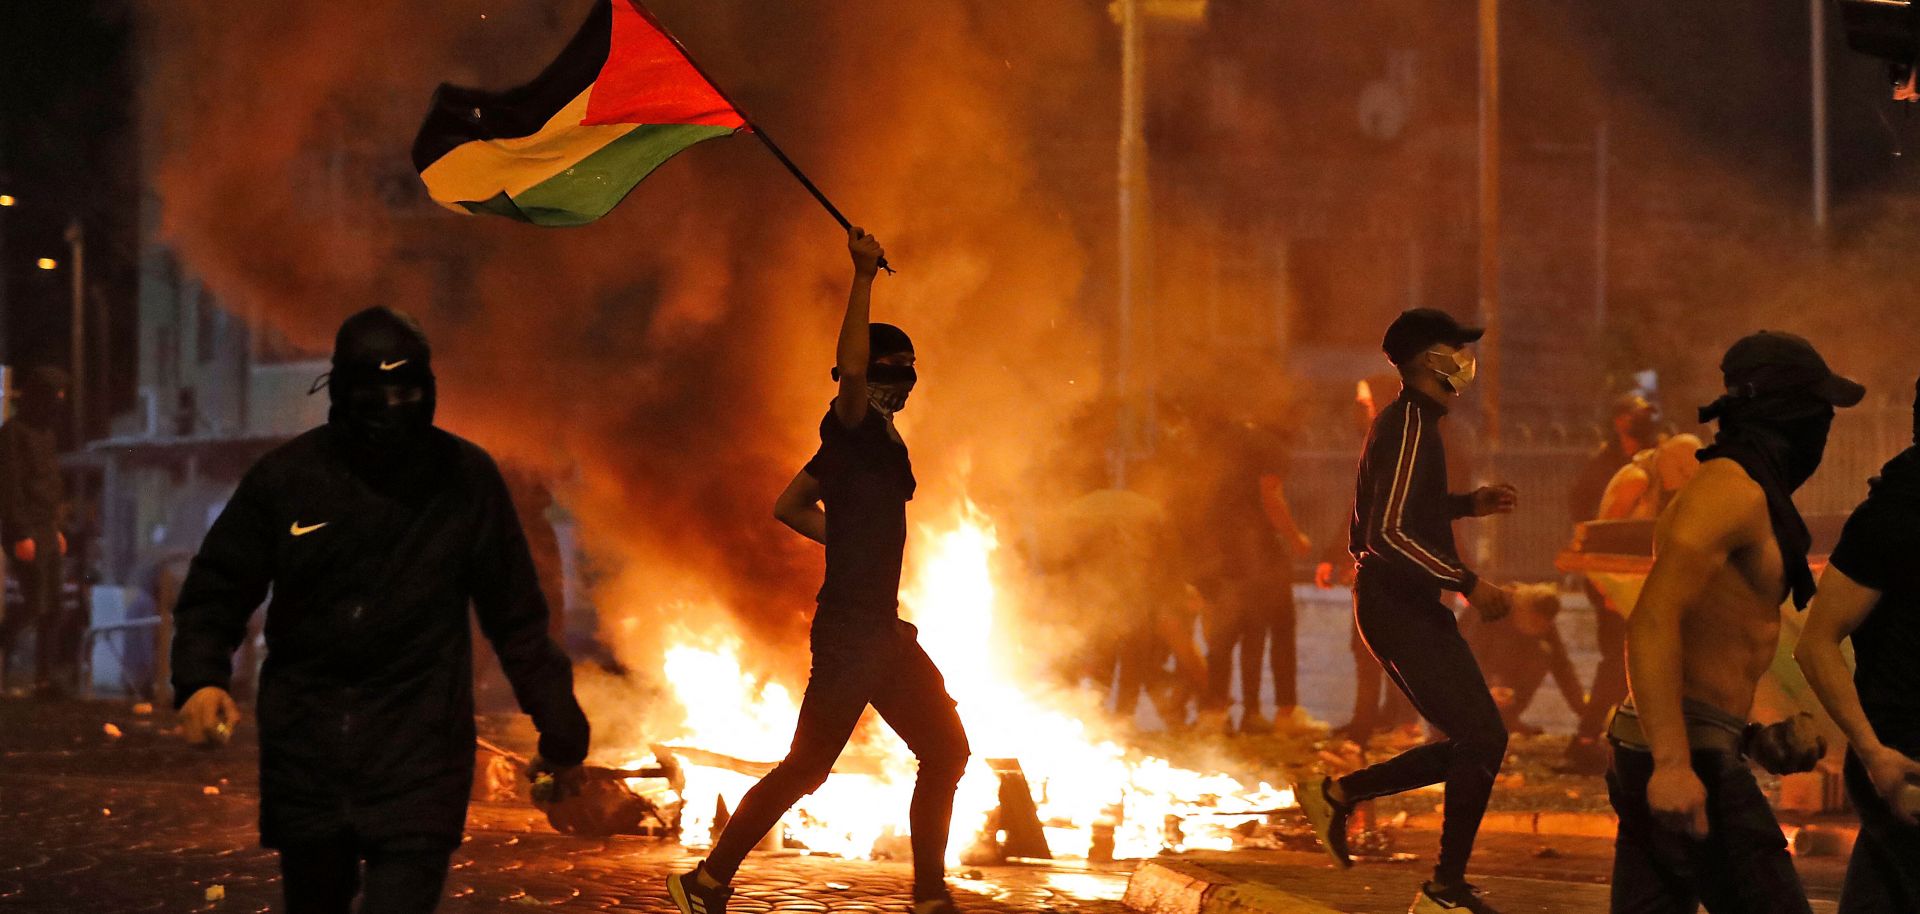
(863, 652)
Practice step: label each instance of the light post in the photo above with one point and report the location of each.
(77, 245)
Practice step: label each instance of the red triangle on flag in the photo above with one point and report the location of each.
(647, 80)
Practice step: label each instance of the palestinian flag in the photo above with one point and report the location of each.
(565, 148)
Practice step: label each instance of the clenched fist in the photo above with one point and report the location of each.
(209, 716)
(1791, 746)
(866, 251)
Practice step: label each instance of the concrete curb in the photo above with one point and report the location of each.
(1821, 839)
(1179, 887)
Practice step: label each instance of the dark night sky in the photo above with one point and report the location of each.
(67, 151)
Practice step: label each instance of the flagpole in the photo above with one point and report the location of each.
(752, 126)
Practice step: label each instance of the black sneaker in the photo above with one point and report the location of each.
(1462, 897)
(940, 905)
(1327, 816)
(693, 898)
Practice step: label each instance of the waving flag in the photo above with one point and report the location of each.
(564, 149)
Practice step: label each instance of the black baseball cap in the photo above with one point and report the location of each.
(1771, 361)
(1419, 329)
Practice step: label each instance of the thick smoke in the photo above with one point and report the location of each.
(670, 361)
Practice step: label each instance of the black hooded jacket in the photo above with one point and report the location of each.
(366, 699)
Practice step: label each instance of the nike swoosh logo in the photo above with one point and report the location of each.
(389, 366)
(298, 530)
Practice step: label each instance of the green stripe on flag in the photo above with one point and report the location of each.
(597, 183)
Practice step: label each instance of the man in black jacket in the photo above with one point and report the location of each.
(1402, 540)
(31, 503)
(374, 532)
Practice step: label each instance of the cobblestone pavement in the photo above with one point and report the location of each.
(140, 822)
(91, 821)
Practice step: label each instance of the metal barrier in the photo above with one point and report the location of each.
(93, 634)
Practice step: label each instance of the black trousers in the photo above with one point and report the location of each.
(323, 878)
(1610, 674)
(1418, 643)
(1370, 714)
(884, 667)
(1270, 641)
(1741, 867)
(42, 609)
(1883, 875)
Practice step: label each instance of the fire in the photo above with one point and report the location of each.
(1088, 787)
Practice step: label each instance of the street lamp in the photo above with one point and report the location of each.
(6, 199)
(46, 263)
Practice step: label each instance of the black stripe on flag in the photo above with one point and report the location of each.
(462, 115)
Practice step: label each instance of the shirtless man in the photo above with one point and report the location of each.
(1694, 826)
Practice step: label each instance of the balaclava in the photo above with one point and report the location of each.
(376, 348)
(1774, 421)
(887, 385)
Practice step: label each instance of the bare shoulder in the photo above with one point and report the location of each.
(1720, 504)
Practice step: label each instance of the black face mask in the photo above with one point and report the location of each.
(388, 420)
(1779, 439)
(1806, 446)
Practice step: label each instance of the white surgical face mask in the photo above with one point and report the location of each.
(1456, 369)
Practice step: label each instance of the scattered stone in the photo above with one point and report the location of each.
(209, 791)
(216, 893)
(1547, 852)
(112, 731)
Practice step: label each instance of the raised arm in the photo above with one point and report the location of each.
(1836, 611)
(799, 508)
(851, 357)
(1709, 520)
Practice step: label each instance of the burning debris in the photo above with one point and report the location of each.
(1045, 780)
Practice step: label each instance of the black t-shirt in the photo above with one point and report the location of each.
(866, 480)
(1877, 549)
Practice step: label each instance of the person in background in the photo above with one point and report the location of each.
(1871, 593)
(32, 501)
(1275, 619)
(1642, 488)
(1518, 653)
(1633, 428)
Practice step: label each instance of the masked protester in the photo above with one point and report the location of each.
(1694, 827)
(31, 501)
(1402, 540)
(375, 532)
(863, 652)
(1871, 593)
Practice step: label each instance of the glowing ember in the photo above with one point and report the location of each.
(1083, 783)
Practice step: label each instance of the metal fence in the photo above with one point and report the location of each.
(1522, 545)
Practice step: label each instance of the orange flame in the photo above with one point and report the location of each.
(1081, 778)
